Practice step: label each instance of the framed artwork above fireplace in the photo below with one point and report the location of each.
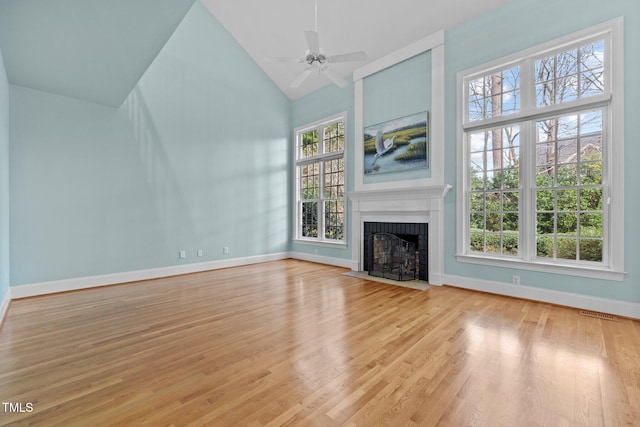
(397, 145)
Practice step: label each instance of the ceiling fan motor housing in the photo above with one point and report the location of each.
(312, 58)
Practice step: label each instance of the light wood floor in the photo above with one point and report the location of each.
(296, 343)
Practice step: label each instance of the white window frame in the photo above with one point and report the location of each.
(320, 158)
(612, 267)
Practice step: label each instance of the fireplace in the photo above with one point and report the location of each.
(397, 251)
(403, 207)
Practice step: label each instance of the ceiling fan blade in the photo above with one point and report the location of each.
(302, 77)
(313, 41)
(339, 81)
(348, 57)
(282, 59)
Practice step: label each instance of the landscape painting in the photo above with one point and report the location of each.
(397, 145)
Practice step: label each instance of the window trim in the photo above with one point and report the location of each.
(298, 161)
(614, 131)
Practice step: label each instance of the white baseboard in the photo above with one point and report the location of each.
(337, 262)
(4, 306)
(436, 279)
(43, 288)
(586, 302)
(620, 308)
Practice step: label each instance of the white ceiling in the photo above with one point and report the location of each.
(276, 28)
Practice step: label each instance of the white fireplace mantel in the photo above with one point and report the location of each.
(408, 205)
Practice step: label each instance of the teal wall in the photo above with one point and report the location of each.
(318, 105)
(196, 158)
(200, 154)
(519, 25)
(4, 181)
(398, 91)
(394, 92)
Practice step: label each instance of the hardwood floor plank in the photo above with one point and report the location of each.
(299, 344)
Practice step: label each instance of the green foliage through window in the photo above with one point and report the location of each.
(536, 168)
(321, 182)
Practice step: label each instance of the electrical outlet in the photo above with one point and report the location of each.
(225, 250)
(515, 280)
(182, 254)
(200, 252)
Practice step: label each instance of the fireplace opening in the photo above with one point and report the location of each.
(408, 261)
(392, 257)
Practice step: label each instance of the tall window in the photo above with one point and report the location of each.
(320, 184)
(538, 137)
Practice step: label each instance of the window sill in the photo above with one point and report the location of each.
(602, 273)
(338, 245)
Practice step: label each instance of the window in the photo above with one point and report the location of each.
(541, 146)
(320, 186)
(494, 196)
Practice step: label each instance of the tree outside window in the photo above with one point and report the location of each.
(524, 163)
(320, 181)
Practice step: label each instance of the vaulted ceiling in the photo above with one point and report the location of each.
(97, 50)
(276, 29)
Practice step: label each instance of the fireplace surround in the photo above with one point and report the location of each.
(415, 205)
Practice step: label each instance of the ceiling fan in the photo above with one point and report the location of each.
(317, 59)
